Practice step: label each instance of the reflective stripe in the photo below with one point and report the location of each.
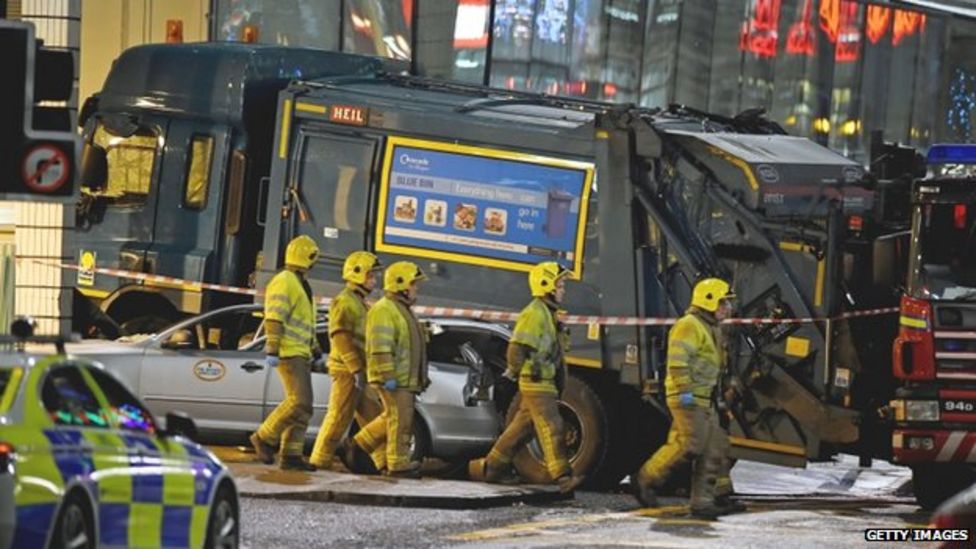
(912, 322)
(386, 330)
(276, 313)
(951, 445)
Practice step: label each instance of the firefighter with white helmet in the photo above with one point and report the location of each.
(291, 347)
(396, 365)
(536, 362)
(348, 397)
(695, 362)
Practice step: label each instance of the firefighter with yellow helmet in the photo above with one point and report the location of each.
(291, 347)
(536, 362)
(396, 364)
(347, 358)
(695, 363)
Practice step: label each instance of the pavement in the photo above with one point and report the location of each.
(257, 480)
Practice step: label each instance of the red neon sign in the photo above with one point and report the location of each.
(801, 39)
(878, 20)
(760, 34)
(848, 34)
(907, 23)
(830, 18)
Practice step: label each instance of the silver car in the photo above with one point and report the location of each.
(212, 367)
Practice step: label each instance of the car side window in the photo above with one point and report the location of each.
(70, 401)
(126, 412)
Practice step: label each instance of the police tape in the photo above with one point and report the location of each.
(455, 312)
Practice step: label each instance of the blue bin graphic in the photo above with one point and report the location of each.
(557, 213)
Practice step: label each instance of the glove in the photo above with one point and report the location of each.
(318, 364)
(271, 361)
(359, 380)
(390, 384)
(510, 375)
(687, 400)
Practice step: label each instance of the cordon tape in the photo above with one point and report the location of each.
(480, 314)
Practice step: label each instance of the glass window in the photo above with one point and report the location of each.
(126, 412)
(333, 188)
(309, 23)
(453, 39)
(378, 27)
(130, 165)
(198, 173)
(69, 400)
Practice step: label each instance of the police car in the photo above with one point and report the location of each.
(84, 464)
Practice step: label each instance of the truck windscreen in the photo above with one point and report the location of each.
(946, 262)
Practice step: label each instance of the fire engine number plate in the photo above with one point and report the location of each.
(964, 406)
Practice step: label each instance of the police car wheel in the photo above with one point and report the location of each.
(74, 527)
(223, 529)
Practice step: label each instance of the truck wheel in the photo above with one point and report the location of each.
(586, 426)
(934, 483)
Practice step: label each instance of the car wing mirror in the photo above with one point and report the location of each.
(434, 328)
(477, 388)
(180, 424)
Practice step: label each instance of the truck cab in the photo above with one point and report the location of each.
(935, 351)
(177, 150)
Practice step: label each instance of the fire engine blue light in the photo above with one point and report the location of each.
(952, 154)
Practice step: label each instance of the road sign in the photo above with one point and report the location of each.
(45, 168)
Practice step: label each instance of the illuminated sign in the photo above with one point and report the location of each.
(878, 20)
(760, 34)
(830, 18)
(907, 23)
(471, 24)
(482, 206)
(848, 34)
(801, 39)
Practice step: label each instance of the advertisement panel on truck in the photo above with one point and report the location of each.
(482, 206)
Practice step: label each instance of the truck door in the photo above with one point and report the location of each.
(116, 213)
(188, 206)
(333, 174)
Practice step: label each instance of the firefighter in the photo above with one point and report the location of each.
(291, 347)
(396, 364)
(347, 358)
(694, 365)
(536, 362)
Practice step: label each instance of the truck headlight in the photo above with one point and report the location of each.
(922, 410)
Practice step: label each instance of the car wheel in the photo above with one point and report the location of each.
(223, 531)
(585, 423)
(75, 527)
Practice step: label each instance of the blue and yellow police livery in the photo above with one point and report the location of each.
(84, 464)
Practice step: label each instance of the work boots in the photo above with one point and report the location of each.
(645, 494)
(729, 505)
(707, 512)
(568, 483)
(412, 471)
(264, 451)
(501, 475)
(296, 463)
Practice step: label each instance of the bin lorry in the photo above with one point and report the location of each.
(934, 355)
(476, 185)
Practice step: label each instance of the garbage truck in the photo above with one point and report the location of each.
(208, 182)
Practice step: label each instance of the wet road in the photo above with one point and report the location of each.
(826, 505)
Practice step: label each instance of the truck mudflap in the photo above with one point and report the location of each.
(912, 446)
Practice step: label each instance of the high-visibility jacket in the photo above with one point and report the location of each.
(288, 301)
(392, 330)
(694, 361)
(536, 328)
(347, 313)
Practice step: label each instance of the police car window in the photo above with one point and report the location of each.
(69, 401)
(334, 176)
(126, 412)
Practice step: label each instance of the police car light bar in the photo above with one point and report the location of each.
(952, 154)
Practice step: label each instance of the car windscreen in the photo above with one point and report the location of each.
(9, 380)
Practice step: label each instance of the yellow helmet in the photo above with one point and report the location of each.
(709, 292)
(543, 277)
(302, 252)
(399, 275)
(358, 265)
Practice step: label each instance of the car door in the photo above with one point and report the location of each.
(197, 368)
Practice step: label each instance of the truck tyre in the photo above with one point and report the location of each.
(934, 483)
(586, 425)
